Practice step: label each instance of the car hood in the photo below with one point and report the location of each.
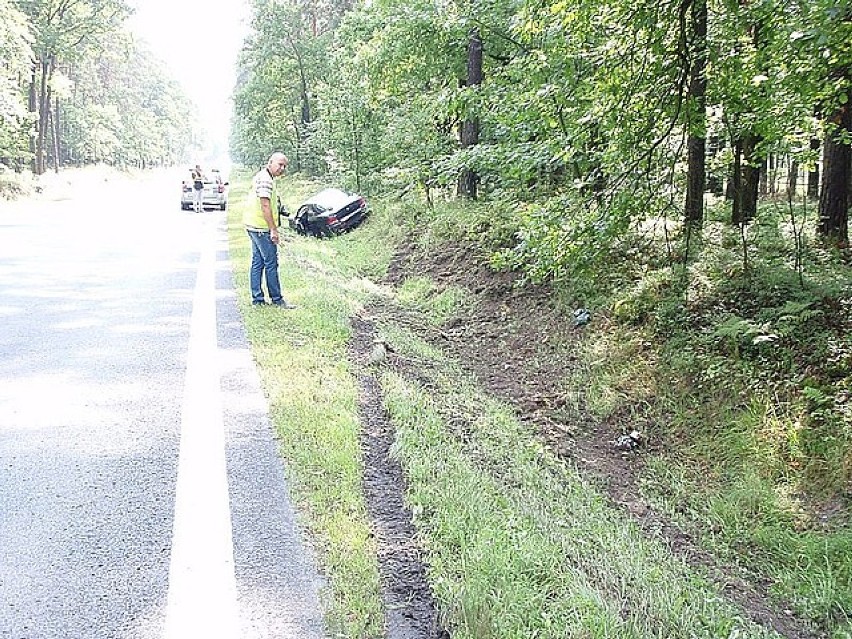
(332, 199)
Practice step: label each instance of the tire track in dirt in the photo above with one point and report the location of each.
(410, 609)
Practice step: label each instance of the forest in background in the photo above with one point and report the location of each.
(610, 112)
(77, 89)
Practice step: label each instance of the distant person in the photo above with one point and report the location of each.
(197, 189)
(262, 229)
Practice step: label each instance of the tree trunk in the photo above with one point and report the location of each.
(469, 179)
(769, 167)
(697, 98)
(356, 145)
(813, 174)
(33, 108)
(748, 181)
(44, 98)
(767, 175)
(41, 126)
(734, 181)
(54, 136)
(833, 225)
(297, 160)
(714, 182)
(303, 127)
(695, 180)
(732, 185)
(792, 180)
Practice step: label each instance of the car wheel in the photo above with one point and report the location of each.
(297, 222)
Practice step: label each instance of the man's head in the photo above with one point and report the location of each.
(277, 163)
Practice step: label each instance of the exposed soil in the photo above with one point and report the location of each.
(518, 345)
(410, 611)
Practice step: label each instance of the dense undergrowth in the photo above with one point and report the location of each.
(737, 359)
(743, 323)
(14, 185)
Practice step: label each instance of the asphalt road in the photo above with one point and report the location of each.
(141, 494)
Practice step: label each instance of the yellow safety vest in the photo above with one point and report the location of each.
(253, 217)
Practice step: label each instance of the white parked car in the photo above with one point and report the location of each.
(215, 191)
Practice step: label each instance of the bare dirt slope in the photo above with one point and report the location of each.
(513, 340)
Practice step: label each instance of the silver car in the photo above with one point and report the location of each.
(215, 192)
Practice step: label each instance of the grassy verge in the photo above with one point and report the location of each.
(518, 545)
(14, 185)
(313, 400)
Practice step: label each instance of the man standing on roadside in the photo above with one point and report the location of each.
(262, 228)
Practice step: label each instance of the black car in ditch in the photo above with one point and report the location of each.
(329, 212)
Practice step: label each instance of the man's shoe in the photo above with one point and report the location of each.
(258, 303)
(285, 305)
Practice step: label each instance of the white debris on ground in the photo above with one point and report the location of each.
(629, 441)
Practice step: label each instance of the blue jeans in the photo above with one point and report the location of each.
(264, 259)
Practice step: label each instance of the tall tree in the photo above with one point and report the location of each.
(834, 199)
(15, 51)
(282, 64)
(696, 114)
(469, 178)
(60, 27)
(750, 114)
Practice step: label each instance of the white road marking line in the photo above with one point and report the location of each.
(202, 599)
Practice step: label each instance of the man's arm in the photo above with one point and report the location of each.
(266, 209)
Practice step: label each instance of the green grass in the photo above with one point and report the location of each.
(736, 474)
(753, 454)
(518, 545)
(437, 306)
